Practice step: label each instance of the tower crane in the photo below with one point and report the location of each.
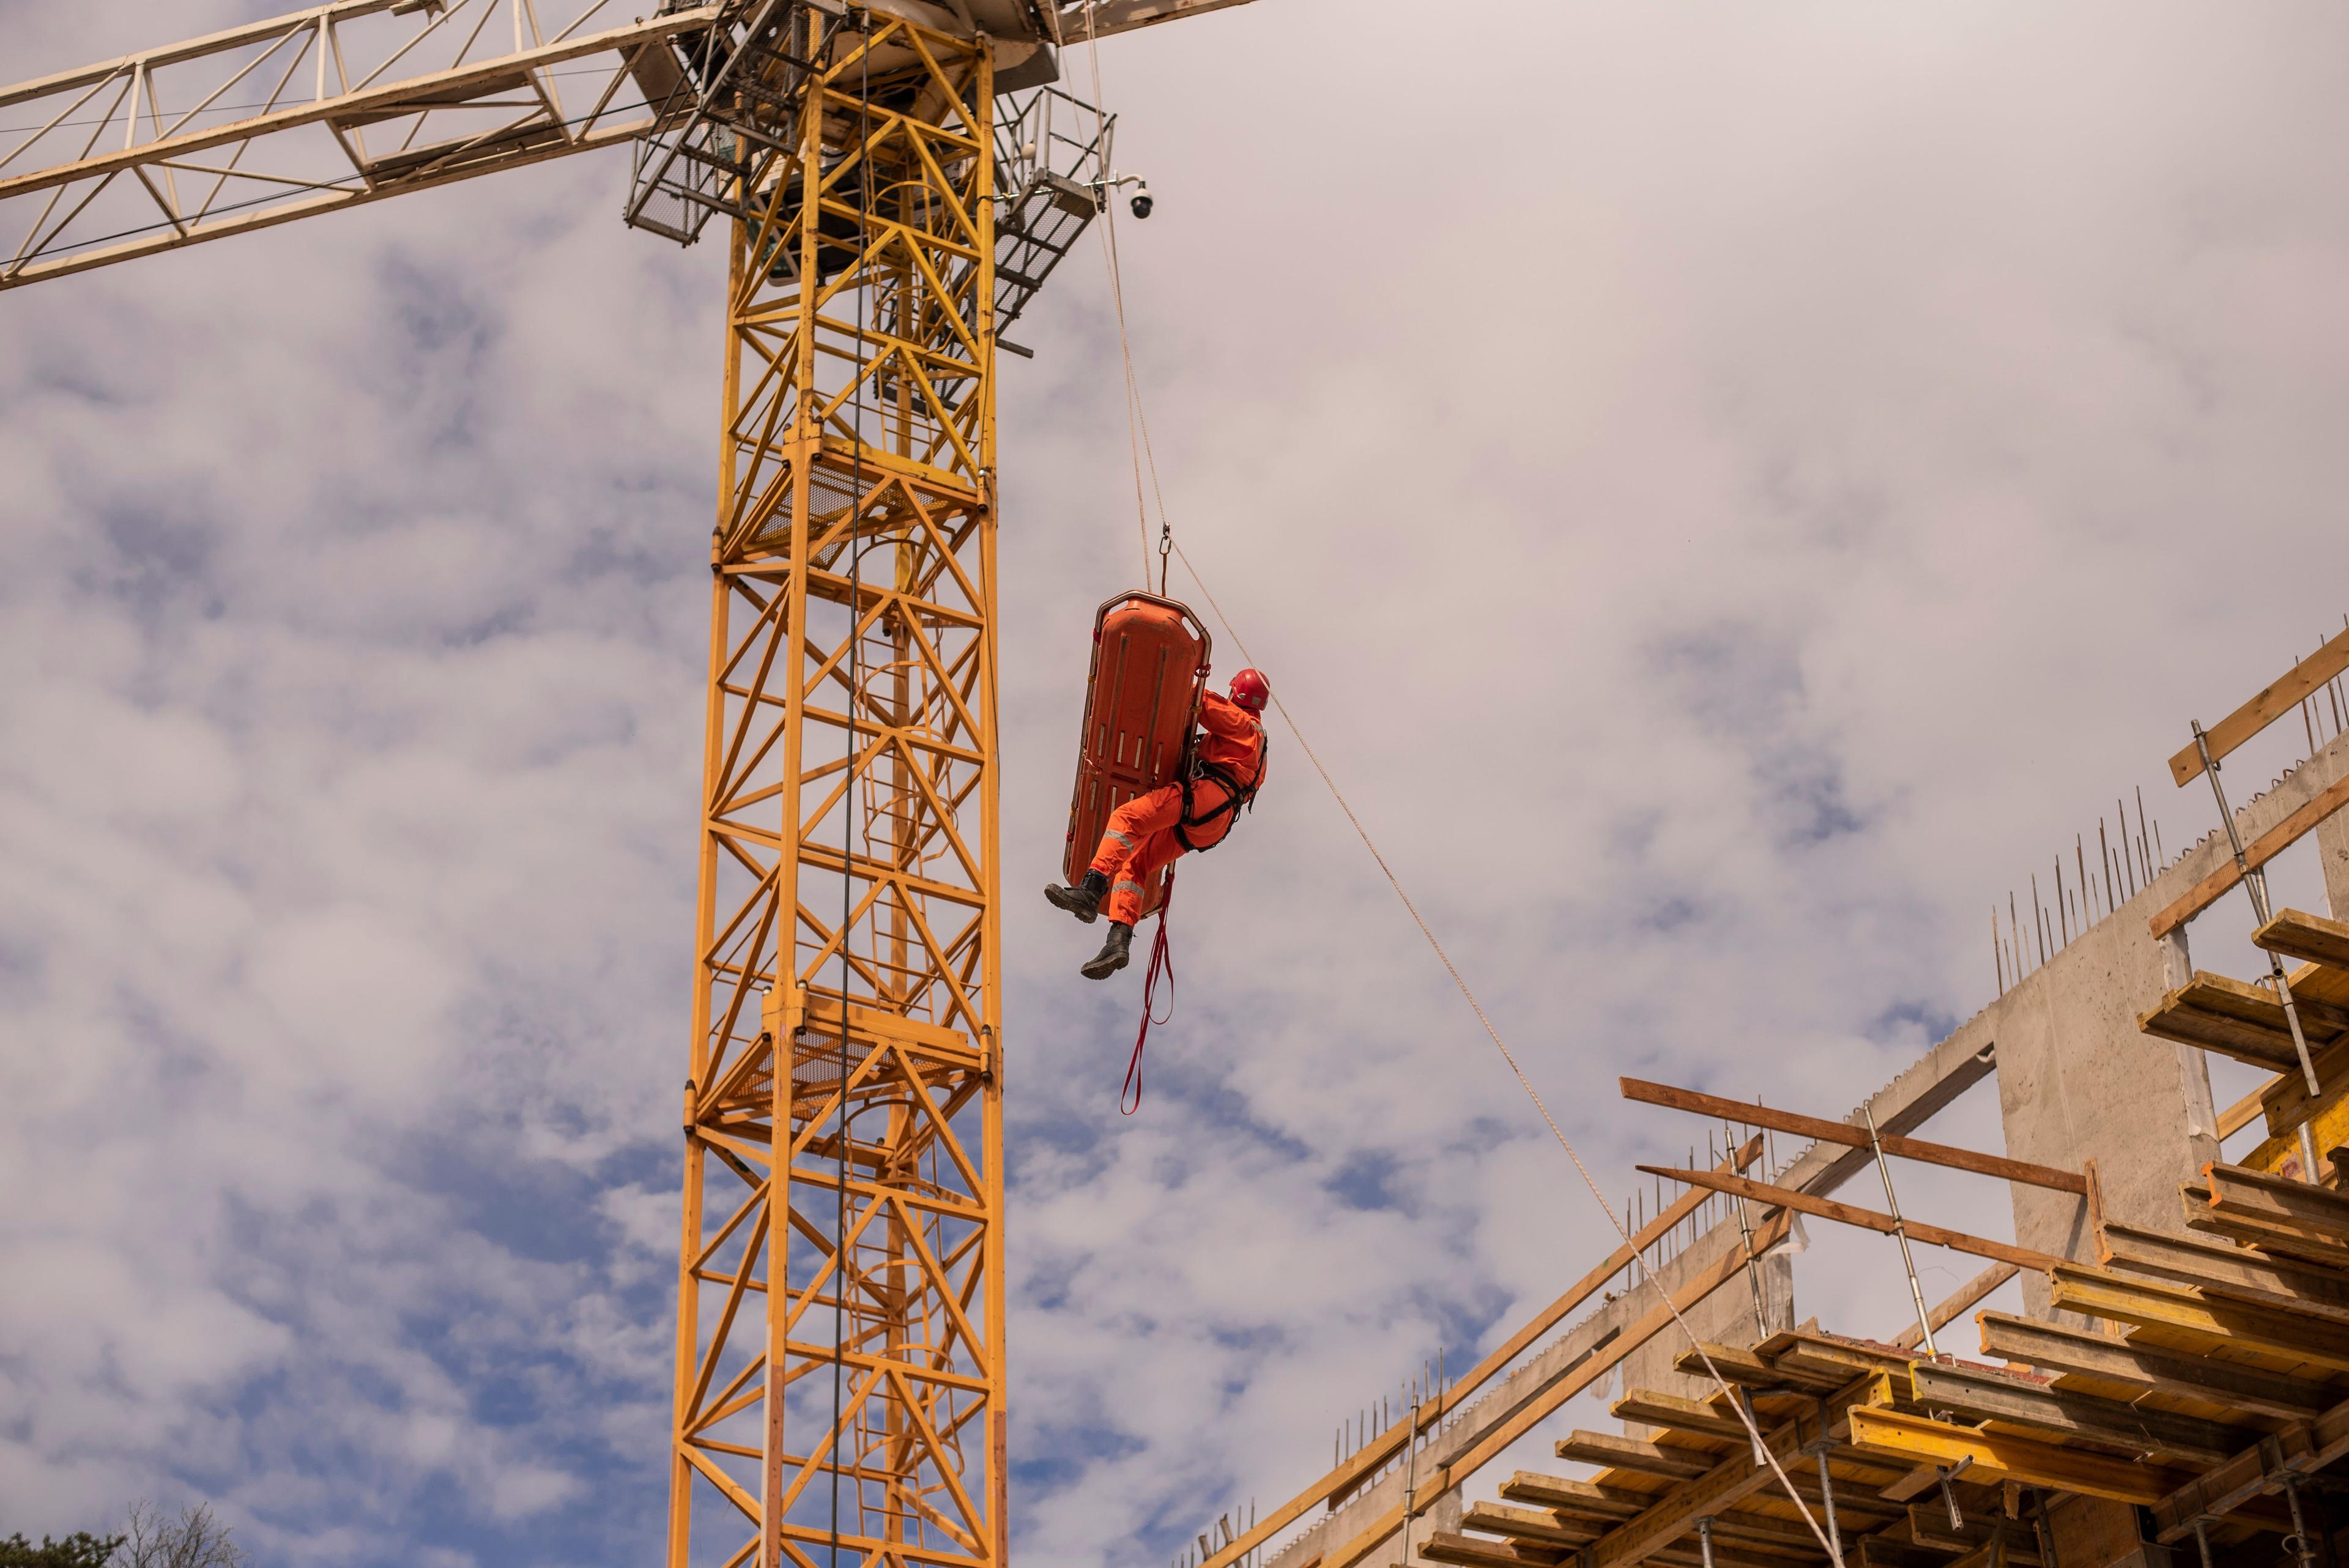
(895, 181)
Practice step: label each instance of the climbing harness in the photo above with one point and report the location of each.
(1237, 797)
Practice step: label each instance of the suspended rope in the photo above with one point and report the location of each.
(1139, 432)
(1161, 959)
(1117, 305)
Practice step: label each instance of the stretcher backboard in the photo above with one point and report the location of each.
(1142, 697)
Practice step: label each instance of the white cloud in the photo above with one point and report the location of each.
(1727, 493)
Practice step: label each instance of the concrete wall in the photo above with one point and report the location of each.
(2078, 1080)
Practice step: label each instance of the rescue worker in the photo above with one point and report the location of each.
(1193, 812)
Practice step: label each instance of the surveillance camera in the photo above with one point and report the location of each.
(1142, 202)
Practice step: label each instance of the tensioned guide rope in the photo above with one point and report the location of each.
(1138, 430)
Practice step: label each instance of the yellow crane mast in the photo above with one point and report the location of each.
(894, 182)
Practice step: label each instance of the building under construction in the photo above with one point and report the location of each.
(2178, 1382)
(893, 182)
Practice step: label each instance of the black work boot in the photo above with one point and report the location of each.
(1113, 953)
(1083, 900)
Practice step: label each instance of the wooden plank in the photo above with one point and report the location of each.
(2214, 1219)
(2312, 939)
(2286, 1099)
(2258, 852)
(2158, 1303)
(1928, 1525)
(2004, 1456)
(1844, 1133)
(2272, 702)
(1459, 1550)
(1740, 1363)
(1867, 1219)
(2019, 1400)
(1359, 1467)
(1580, 1497)
(1959, 1302)
(2054, 1348)
(1542, 1527)
(1877, 1551)
(1652, 1408)
(2245, 1111)
(2214, 1266)
(1630, 1454)
(1734, 1478)
(2279, 1201)
(2303, 1447)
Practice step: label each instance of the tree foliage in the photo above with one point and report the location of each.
(79, 1551)
(192, 1538)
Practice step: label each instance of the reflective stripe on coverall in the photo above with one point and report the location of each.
(1141, 833)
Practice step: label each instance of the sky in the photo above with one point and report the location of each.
(1727, 491)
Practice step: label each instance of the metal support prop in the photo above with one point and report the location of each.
(1900, 1231)
(2255, 883)
(2046, 1527)
(2301, 1545)
(1753, 1272)
(1753, 1430)
(1949, 1496)
(2202, 1540)
(1410, 1481)
(1826, 1493)
(1704, 1537)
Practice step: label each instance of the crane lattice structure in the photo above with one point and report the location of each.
(894, 183)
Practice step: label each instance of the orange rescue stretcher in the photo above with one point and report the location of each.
(1141, 699)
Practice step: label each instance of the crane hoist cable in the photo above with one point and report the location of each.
(1139, 430)
(1135, 433)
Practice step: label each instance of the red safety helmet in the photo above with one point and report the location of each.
(1251, 690)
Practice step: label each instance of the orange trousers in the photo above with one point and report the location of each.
(1140, 839)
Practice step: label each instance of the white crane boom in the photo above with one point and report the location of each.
(356, 100)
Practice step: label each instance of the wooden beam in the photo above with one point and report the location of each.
(1468, 1552)
(2215, 1267)
(2301, 1448)
(2279, 1201)
(1960, 1301)
(2160, 1304)
(1653, 1410)
(2268, 704)
(1361, 1466)
(1741, 1364)
(2216, 1013)
(1928, 1525)
(1844, 1133)
(2018, 1400)
(2245, 1111)
(2258, 852)
(1541, 1526)
(2054, 1348)
(2285, 1098)
(1632, 1454)
(1731, 1480)
(1584, 1498)
(2210, 1217)
(1867, 1219)
(1881, 1551)
(2312, 939)
(2004, 1456)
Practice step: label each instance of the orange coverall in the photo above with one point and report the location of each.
(1140, 837)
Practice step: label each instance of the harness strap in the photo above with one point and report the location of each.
(1162, 957)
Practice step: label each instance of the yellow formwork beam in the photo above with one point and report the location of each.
(2156, 1305)
(2000, 1456)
